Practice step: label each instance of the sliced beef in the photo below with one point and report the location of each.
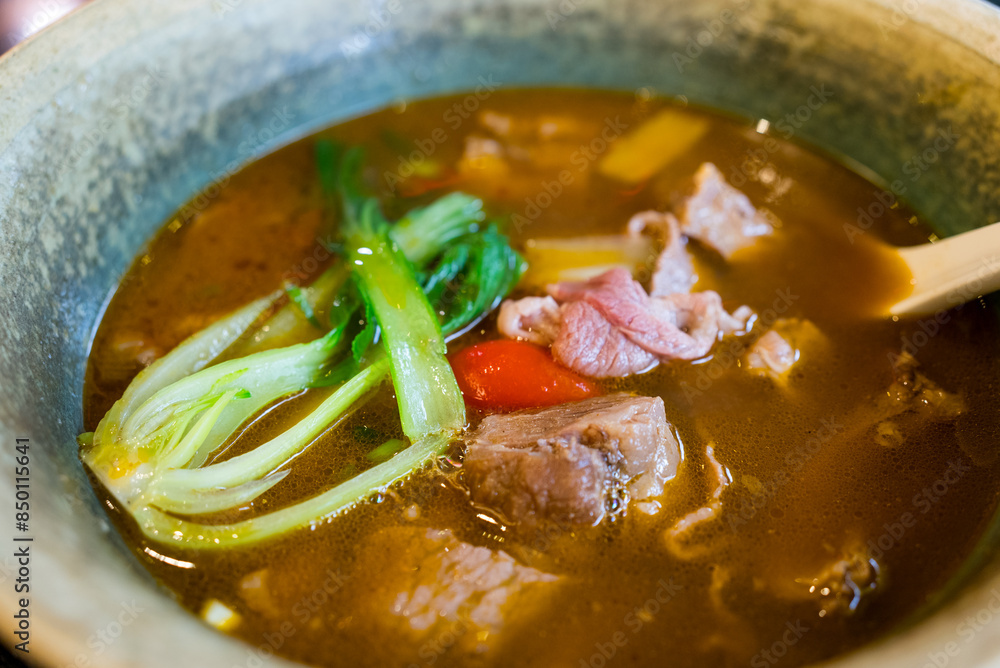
(838, 586)
(427, 584)
(581, 338)
(674, 271)
(678, 326)
(911, 400)
(702, 318)
(562, 463)
(738, 322)
(673, 327)
(509, 154)
(592, 346)
(454, 580)
(771, 355)
(608, 327)
(720, 216)
(841, 586)
(614, 291)
(532, 319)
(781, 348)
(912, 391)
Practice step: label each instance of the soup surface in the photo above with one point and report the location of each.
(832, 519)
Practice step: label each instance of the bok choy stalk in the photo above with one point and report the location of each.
(148, 452)
(422, 234)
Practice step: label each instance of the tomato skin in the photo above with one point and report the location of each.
(506, 375)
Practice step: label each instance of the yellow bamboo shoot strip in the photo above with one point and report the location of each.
(581, 258)
(653, 145)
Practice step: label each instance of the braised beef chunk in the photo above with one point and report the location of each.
(562, 463)
(431, 583)
(720, 216)
(563, 481)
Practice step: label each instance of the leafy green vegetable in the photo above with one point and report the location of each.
(491, 269)
(161, 526)
(298, 297)
(407, 286)
(428, 395)
(143, 435)
(447, 219)
(366, 337)
(189, 485)
(385, 451)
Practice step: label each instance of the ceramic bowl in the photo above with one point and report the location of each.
(118, 114)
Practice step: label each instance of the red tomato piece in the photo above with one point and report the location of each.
(510, 375)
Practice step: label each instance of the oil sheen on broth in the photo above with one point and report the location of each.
(812, 483)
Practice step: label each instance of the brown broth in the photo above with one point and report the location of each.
(785, 516)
